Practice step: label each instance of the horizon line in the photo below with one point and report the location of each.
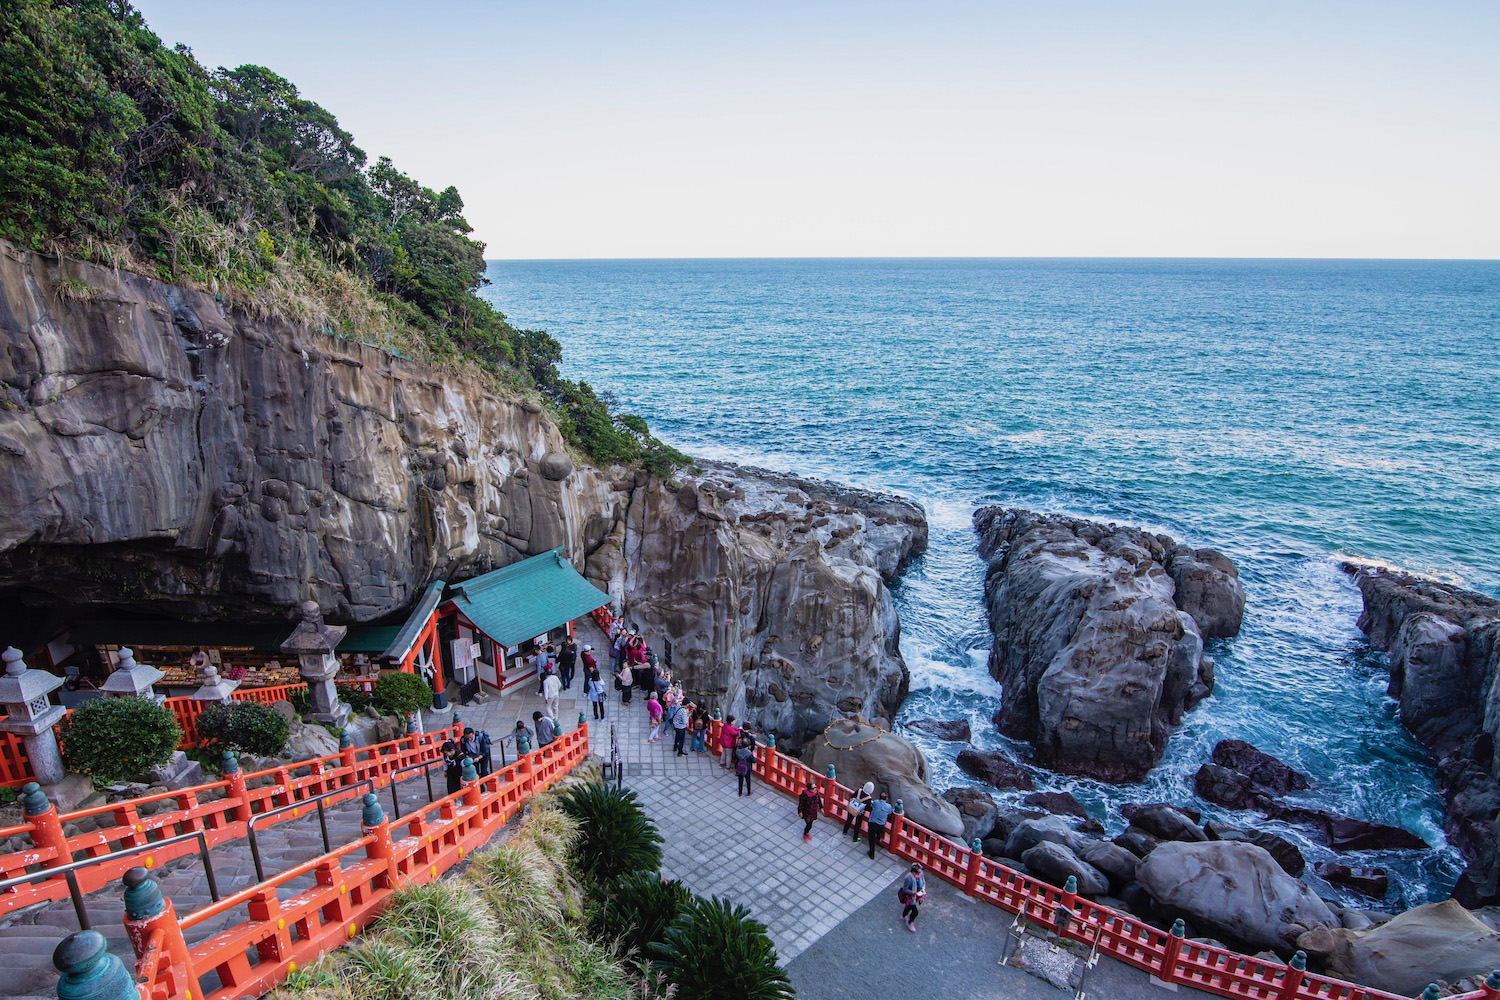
(939, 257)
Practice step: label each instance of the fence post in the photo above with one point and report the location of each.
(971, 872)
(1291, 980)
(346, 757)
(470, 778)
(231, 767)
(830, 785)
(1491, 989)
(1174, 949)
(89, 971)
(373, 824)
(46, 825)
(147, 910)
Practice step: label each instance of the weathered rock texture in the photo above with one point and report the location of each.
(860, 752)
(1099, 636)
(1444, 646)
(161, 454)
(1431, 943)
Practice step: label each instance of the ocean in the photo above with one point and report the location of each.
(1291, 413)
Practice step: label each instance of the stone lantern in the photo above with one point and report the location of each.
(132, 679)
(30, 714)
(313, 644)
(212, 687)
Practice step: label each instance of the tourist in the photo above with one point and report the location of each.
(546, 730)
(680, 717)
(625, 682)
(700, 728)
(617, 650)
(593, 688)
(880, 811)
(590, 665)
(670, 698)
(859, 804)
(567, 662)
(468, 745)
(551, 691)
(744, 761)
(912, 894)
(653, 712)
(453, 767)
(543, 664)
(729, 735)
(485, 762)
(809, 804)
(519, 732)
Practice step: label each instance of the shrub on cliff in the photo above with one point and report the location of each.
(615, 835)
(112, 739)
(243, 726)
(743, 960)
(401, 694)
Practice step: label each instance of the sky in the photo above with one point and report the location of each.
(926, 128)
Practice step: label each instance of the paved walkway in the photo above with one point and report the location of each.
(830, 909)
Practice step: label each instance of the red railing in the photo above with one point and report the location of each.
(220, 809)
(352, 885)
(1167, 958)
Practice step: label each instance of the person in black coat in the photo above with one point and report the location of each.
(567, 662)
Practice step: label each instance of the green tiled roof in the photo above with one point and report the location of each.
(525, 599)
(367, 638)
(406, 637)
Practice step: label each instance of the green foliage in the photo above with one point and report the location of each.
(638, 908)
(356, 697)
(615, 835)
(714, 950)
(112, 739)
(401, 694)
(243, 726)
(115, 147)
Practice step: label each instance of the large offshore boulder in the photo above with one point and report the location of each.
(861, 752)
(994, 769)
(1235, 890)
(1097, 660)
(1207, 588)
(976, 809)
(1429, 943)
(1054, 863)
(1260, 767)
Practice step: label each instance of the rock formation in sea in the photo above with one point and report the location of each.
(1444, 649)
(1098, 636)
(162, 454)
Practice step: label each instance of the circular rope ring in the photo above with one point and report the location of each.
(878, 733)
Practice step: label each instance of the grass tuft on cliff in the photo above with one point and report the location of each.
(120, 150)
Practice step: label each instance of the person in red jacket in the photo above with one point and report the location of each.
(729, 735)
(809, 804)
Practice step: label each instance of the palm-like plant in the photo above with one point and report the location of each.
(637, 911)
(615, 835)
(714, 950)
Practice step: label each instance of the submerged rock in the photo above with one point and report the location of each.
(1345, 833)
(1372, 882)
(995, 769)
(952, 730)
(1097, 660)
(1259, 766)
(1236, 891)
(1058, 803)
(1163, 821)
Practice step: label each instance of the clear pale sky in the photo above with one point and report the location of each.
(807, 129)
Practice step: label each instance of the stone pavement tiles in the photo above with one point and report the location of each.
(954, 955)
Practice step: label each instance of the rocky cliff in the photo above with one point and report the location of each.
(160, 453)
(1444, 648)
(1098, 636)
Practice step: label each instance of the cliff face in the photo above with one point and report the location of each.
(1444, 647)
(1098, 636)
(159, 453)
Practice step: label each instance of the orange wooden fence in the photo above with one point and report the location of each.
(220, 809)
(353, 883)
(1167, 958)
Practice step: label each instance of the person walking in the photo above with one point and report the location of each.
(453, 768)
(880, 811)
(809, 804)
(590, 665)
(744, 761)
(653, 713)
(729, 736)
(567, 662)
(593, 689)
(546, 730)
(700, 728)
(468, 745)
(551, 691)
(681, 715)
(912, 894)
(859, 804)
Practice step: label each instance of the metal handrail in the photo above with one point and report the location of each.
(76, 893)
(425, 767)
(260, 874)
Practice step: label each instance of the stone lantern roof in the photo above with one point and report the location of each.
(312, 635)
(213, 687)
(131, 679)
(24, 693)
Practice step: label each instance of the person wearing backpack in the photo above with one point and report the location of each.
(809, 804)
(744, 761)
(912, 894)
(859, 804)
(681, 716)
(700, 728)
(485, 762)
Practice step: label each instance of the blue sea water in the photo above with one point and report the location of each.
(1290, 413)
